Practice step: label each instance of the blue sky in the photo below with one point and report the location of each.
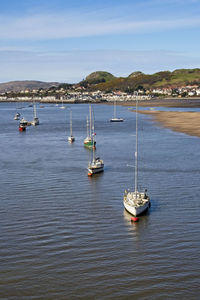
(67, 40)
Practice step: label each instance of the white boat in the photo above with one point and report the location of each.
(136, 202)
(17, 116)
(62, 106)
(35, 121)
(23, 122)
(115, 119)
(71, 138)
(96, 165)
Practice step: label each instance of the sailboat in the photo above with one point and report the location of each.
(71, 138)
(23, 124)
(136, 202)
(89, 142)
(115, 119)
(96, 165)
(62, 106)
(35, 119)
(17, 116)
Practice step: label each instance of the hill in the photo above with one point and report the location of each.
(105, 81)
(135, 80)
(97, 77)
(17, 86)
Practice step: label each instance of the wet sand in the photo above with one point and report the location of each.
(170, 102)
(185, 122)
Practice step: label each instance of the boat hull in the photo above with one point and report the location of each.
(22, 128)
(71, 139)
(136, 211)
(90, 144)
(95, 170)
(35, 122)
(116, 120)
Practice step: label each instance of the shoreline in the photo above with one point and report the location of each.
(156, 102)
(184, 122)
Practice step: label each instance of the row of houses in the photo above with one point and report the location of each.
(81, 95)
(190, 90)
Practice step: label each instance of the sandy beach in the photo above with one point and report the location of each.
(170, 102)
(185, 122)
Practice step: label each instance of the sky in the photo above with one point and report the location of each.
(64, 41)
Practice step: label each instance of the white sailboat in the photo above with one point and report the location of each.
(35, 121)
(62, 106)
(136, 202)
(71, 138)
(96, 165)
(17, 116)
(115, 119)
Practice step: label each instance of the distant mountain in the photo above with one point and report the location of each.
(17, 86)
(135, 80)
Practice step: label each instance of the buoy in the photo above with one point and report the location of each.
(134, 219)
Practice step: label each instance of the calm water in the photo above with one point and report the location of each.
(67, 236)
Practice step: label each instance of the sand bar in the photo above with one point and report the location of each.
(171, 102)
(185, 122)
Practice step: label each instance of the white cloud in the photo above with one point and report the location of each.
(67, 25)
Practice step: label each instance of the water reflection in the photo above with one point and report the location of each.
(136, 228)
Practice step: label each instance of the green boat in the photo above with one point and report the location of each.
(89, 142)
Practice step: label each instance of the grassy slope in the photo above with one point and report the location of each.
(177, 78)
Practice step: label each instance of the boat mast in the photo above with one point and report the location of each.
(136, 145)
(87, 122)
(115, 110)
(93, 136)
(34, 110)
(70, 122)
(90, 121)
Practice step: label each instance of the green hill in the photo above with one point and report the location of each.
(98, 77)
(135, 80)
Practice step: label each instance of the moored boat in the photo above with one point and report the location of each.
(96, 165)
(23, 124)
(89, 142)
(17, 116)
(115, 119)
(136, 202)
(71, 138)
(35, 119)
(22, 127)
